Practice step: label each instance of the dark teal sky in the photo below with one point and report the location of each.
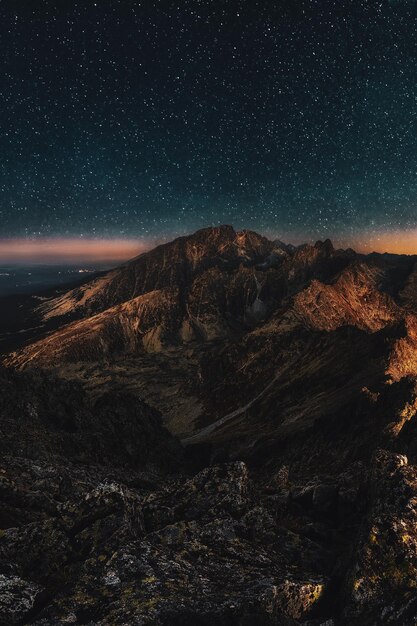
(150, 119)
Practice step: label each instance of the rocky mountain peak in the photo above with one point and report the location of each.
(326, 246)
(214, 233)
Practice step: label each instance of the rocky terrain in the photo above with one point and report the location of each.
(106, 520)
(219, 432)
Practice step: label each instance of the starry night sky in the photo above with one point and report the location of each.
(151, 119)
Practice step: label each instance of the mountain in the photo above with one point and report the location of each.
(221, 431)
(223, 319)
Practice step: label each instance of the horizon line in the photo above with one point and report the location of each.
(57, 249)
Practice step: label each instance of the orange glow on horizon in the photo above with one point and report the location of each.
(396, 242)
(69, 250)
(56, 250)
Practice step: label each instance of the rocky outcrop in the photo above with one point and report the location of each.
(382, 584)
(17, 599)
(202, 550)
(352, 300)
(403, 359)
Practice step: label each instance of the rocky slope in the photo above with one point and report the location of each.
(171, 265)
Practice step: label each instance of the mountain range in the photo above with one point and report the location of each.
(220, 431)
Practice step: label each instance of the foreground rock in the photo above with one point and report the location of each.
(203, 550)
(104, 519)
(383, 582)
(101, 523)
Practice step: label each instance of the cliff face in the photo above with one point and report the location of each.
(352, 300)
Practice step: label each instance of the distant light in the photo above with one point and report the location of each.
(69, 250)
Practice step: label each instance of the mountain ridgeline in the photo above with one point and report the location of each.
(221, 431)
(227, 320)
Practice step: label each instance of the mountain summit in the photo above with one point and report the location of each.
(204, 286)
